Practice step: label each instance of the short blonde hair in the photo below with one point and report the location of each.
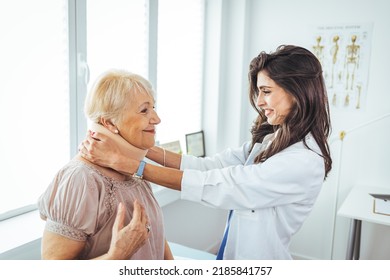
(111, 93)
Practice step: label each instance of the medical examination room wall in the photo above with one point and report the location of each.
(364, 157)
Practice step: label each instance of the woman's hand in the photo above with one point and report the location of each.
(126, 240)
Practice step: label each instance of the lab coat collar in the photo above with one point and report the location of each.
(259, 147)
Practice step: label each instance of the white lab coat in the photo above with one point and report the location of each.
(271, 200)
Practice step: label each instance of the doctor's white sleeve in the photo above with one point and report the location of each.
(291, 176)
(226, 158)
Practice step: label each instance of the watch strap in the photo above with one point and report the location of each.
(140, 170)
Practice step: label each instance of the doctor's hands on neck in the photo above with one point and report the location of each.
(106, 149)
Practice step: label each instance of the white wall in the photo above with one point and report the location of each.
(194, 225)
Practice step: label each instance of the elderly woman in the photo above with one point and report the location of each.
(86, 205)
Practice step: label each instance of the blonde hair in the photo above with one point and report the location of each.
(111, 93)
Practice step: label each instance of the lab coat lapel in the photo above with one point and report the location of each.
(258, 148)
(255, 151)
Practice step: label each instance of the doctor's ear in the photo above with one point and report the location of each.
(109, 125)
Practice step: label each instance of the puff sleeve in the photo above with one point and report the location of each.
(70, 203)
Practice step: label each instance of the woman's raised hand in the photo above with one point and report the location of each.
(126, 240)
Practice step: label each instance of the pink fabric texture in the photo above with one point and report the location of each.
(81, 204)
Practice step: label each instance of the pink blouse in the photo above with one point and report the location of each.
(81, 204)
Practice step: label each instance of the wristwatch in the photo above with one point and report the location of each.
(140, 171)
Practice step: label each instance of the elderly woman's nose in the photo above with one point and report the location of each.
(155, 118)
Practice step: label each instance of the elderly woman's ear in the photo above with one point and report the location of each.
(109, 125)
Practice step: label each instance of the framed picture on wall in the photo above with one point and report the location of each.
(172, 146)
(195, 144)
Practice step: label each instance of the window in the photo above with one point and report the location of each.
(179, 68)
(34, 99)
(41, 107)
(117, 36)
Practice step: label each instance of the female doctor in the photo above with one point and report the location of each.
(270, 183)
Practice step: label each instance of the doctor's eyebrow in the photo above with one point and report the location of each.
(264, 87)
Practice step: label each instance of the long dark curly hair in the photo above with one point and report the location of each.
(299, 73)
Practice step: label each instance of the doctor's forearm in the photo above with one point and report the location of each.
(164, 157)
(167, 177)
(164, 176)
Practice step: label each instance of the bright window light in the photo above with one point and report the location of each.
(34, 98)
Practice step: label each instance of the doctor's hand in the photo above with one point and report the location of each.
(126, 240)
(107, 151)
(100, 149)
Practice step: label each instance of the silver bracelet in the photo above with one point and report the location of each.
(164, 155)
